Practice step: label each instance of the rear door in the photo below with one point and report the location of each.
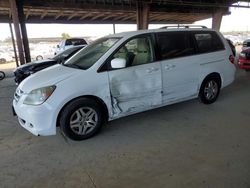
(180, 69)
(138, 86)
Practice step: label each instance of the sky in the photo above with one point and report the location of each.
(237, 21)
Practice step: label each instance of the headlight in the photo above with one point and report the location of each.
(39, 96)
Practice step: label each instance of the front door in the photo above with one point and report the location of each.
(138, 86)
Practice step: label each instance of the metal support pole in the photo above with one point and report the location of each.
(13, 8)
(216, 21)
(13, 43)
(142, 15)
(114, 28)
(23, 30)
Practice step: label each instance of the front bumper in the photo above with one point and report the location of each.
(39, 120)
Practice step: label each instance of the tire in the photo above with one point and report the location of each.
(39, 57)
(2, 75)
(210, 90)
(81, 119)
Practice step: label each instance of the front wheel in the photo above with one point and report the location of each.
(81, 119)
(2, 75)
(210, 89)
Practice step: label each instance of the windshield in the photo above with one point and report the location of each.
(91, 54)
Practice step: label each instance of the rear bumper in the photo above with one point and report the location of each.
(244, 64)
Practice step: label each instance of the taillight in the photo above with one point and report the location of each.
(231, 59)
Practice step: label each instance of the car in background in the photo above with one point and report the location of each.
(231, 44)
(26, 70)
(5, 56)
(69, 43)
(246, 44)
(41, 53)
(244, 60)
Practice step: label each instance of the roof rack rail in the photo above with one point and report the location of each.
(184, 26)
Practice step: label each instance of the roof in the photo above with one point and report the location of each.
(114, 11)
(139, 32)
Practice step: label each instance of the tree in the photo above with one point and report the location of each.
(65, 35)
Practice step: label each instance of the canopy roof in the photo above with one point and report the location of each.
(114, 11)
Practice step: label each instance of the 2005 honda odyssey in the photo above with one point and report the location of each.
(123, 74)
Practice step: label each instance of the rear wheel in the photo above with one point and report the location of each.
(81, 119)
(209, 90)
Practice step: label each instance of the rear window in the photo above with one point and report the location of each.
(175, 44)
(246, 44)
(75, 42)
(208, 42)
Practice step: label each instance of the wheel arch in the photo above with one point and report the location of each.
(95, 98)
(213, 74)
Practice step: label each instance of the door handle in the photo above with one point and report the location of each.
(152, 69)
(169, 67)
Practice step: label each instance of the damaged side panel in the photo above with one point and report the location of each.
(135, 88)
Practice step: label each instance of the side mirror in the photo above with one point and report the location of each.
(118, 63)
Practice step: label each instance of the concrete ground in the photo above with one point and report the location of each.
(188, 145)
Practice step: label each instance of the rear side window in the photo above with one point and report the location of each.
(175, 44)
(208, 42)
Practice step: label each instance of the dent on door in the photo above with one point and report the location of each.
(135, 89)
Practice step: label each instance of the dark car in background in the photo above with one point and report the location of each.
(26, 70)
(246, 44)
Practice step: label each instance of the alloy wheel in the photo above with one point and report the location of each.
(83, 120)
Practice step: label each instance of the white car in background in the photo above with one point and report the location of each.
(41, 53)
(123, 74)
(68, 43)
(5, 56)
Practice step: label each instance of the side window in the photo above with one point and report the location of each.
(208, 42)
(137, 51)
(175, 44)
(68, 42)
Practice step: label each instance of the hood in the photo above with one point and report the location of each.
(32, 64)
(47, 77)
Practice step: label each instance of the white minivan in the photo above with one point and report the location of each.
(124, 74)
